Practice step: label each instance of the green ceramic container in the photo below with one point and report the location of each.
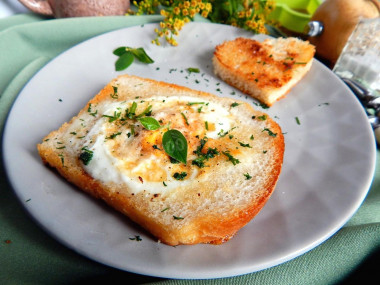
(294, 15)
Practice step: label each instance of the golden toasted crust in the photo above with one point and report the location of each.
(264, 70)
(209, 207)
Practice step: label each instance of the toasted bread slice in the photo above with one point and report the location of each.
(234, 158)
(264, 70)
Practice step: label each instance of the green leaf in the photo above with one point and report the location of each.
(175, 145)
(120, 51)
(124, 61)
(149, 123)
(141, 55)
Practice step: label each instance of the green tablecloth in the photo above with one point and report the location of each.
(30, 256)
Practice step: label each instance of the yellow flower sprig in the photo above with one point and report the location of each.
(177, 15)
(251, 15)
(248, 14)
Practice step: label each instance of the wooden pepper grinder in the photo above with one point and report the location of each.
(333, 22)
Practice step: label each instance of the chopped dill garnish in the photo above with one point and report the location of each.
(245, 144)
(247, 176)
(272, 134)
(231, 158)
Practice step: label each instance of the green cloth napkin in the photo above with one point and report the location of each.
(30, 256)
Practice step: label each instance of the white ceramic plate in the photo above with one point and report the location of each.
(328, 164)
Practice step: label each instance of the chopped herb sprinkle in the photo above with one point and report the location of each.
(185, 118)
(62, 159)
(116, 115)
(272, 134)
(195, 103)
(193, 69)
(231, 158)
(113, 135)
(262, 118)
(136, 238)
(222, 133)
(247, 176)
(262, 105)
(86, 155)
(180, 176)
(245, 144)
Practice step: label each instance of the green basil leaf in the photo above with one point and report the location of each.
(120, 51)
(124, 61)
(141, 55)
(175, 145)
(149, 123)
